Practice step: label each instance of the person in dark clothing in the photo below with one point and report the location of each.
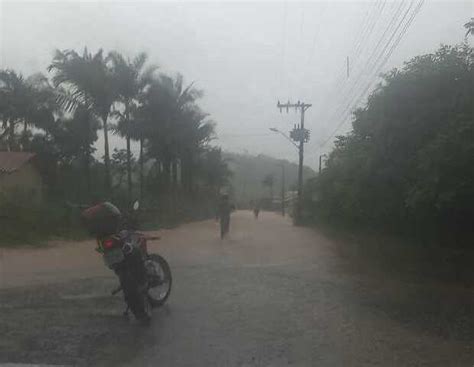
(256, 210)
(223, 213)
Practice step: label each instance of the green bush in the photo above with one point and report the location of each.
(25, 223)
(407, 166)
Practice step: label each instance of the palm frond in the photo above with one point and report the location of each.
(139, 61)
(470, 27)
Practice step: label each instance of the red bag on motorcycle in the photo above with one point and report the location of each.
(102, 219)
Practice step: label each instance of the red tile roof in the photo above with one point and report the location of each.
(12, 161)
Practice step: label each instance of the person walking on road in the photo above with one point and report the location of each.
(223, 213)
(256, 210)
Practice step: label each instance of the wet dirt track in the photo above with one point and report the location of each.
(269, 295)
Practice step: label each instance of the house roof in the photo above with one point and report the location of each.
(12, 161)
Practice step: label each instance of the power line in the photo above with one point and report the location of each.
(369, 30)
(347, 94)
(368, 24)
(361, 31)
(316, 34)
(385, 59)
(356, 99)
(371, 67)
(368, 68)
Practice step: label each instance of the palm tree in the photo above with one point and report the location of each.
(82, 127)
(88, 80)
(196, 133)
(132, 80)
(27, 101)
(470, 27)
(12, 92)
(164, 106)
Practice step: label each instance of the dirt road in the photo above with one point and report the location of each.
(270, 295)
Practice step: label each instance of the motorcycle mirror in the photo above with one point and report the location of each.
(136, 205)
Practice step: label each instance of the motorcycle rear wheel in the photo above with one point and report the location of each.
(159, 279)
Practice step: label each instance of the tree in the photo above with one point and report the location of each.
(165, 108)
(77, 136)
(470, 27)
(120, 162)
(214, 170)
(89, 81)
(132, 80)
(24, 101)
(196, 133)
(408, 168)
(65, 145)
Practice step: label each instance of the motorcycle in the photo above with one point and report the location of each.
(145, 279)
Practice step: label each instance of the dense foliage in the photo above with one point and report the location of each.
(176, 168)
(408, 163)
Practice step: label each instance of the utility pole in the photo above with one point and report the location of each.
(301, 135)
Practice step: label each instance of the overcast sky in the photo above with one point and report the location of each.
(244, 55)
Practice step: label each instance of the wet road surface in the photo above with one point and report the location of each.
(269, 295)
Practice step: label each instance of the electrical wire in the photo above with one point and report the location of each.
(316, 35)
(384, 59)
(341, 80)
(369, 67)
(339, 84)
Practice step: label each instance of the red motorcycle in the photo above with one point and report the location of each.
(145, 279)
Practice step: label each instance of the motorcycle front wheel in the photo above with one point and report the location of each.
(159, 279)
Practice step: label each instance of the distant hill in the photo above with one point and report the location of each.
(249, 171)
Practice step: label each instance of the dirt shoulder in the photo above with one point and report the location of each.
(59, 261)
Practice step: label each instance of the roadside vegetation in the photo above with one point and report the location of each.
(407, 166)
(165, 157)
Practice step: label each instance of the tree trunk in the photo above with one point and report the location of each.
(174, 173)
(129, 154)
(168, 195)
(174, 188)
(167, 173)
(141, 169)
(87, 158)
(24, 139)
(87, 171)
(108, 181)
(129, 170)
(11, 136)
(187, 172)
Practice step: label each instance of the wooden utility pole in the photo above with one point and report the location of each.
(301, 135)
